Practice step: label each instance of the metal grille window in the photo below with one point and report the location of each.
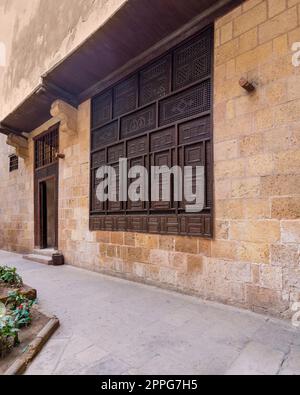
(13, 163)
(46, 148)
(161, 115)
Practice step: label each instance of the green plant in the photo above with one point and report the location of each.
(9, 276)
(22, 316)
(15, 299)
(20, 307)
(8, 335)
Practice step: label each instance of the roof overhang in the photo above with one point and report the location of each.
(140, 29)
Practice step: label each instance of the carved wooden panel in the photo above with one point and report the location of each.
(131, 205)
(162, 139)
(140, 121)
(106, 135)
(194, 130)
(195, 100)
(97, 205)
(155, 80)
(192, 61)
(98, 159)
(160, 115)
(125, 96)
(102, 109)
(137, 147)
(161, 159)
(115, 152)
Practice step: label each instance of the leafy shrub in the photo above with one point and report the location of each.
(8, 336)
(19, 316)
(9, 276)
(15, 299)
(20, 307)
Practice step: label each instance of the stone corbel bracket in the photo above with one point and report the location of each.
(67, 116)
(20, 144)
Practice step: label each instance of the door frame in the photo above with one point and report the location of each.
(42, 174)
(41, 236)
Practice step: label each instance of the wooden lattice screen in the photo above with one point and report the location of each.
(160, 115)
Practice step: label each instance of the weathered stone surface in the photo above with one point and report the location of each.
(222, 229)
(194, 264)
(251, 145)
(271, 277)
(286, 208)
(67, 115)
(264, 299)
(285, 255)
(117, 238)
(224, 249)
(280, 185)
(230, 209)
(254, 252)
(253, 17)
(240, 272)
(186, 244)
(246, 188)
(290, 231)
(277, 25)
(263, 231)
(159, 258)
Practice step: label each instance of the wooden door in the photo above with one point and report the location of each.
(46, 169)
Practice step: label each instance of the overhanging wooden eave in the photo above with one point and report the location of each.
(112, 52)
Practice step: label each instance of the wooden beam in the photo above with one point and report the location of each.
(59, 93)
(201, 21)
(7, 130)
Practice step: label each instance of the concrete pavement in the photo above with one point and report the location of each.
(112, 326)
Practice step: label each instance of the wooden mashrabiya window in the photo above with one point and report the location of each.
(160, 115)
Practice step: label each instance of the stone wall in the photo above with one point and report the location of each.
(253, 261)
(257, 149)
(48, 30)
(16, 202)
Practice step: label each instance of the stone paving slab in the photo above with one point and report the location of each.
(257, 359)
(112, 326)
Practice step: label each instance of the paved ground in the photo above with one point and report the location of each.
(111, 326)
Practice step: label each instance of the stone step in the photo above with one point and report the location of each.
(46, 252)
(46, 260)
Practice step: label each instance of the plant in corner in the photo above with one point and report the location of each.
(10, 276)
(8, 336)
(20, 308)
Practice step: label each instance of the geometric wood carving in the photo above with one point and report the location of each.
(159, 115)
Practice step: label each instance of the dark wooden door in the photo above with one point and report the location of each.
(40, 209)
(43, 214)
(46, 169)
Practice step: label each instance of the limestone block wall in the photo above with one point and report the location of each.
(253, 260)
(16, 202)
(257, 149)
